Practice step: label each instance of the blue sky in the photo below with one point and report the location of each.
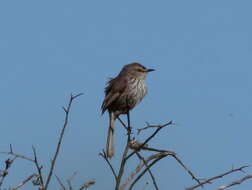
(201, 51)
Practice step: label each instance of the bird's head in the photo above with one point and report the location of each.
(137, 70)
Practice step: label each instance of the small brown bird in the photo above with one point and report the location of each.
(122, 93)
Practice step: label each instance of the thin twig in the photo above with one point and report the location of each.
(87, 184)
(139, 168)
(237, 182)
(18, 156)
(66, 110)
(38, 167)
(187, 169)
(70, 179)
(208, 180)
(148, 126)
(60, 182)
(69, 183)
(159, 150)
(103, 154)
(72, 176)
(9, 162)
(24, 181)
(150, 172)
(150, 137)
(11, 150)
(136, 145)
(162, 155)
(5, 172)
(123, 124)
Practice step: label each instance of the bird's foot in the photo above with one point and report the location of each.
(129, 129)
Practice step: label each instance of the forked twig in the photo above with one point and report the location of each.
(136, 147)
(161, 156)
(66, 110)
(24, 181)
(148, 126)
(139, 168)
(12, 153)
(5, 172)
(149, 170)
(38, 167)
(150, 137)
(208, 180)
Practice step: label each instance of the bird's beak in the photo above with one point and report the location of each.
(150, 70)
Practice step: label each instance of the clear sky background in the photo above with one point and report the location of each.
(201, 51)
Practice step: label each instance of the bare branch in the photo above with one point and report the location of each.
(125, 153)
(146, 165)
(160, 156)
(70, 179)
(148, 126)
(123, 124)
(138, 169)
(103, 154)
(69, 183)
(159, 127)
(237, 182)
(18, 156)
(60, 182)
(60, 138)
(38, 167)
(72, 176)
(87, 184)
(11, 150)
(65, 110)
(123, 162)
(159, 150)
(136, 145)
(188, 170)
(24, 181)
(5, 172)
(208, 180)
(76, 96)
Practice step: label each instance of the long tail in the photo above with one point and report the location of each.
(110, 137)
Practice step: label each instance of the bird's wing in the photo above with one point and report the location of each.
(115, 87)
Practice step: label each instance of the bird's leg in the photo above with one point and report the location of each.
(129, 127)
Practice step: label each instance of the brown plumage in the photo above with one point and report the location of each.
(122, 93)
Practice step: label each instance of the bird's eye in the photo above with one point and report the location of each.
(139, 70)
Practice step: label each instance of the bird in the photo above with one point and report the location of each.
(122, 94)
